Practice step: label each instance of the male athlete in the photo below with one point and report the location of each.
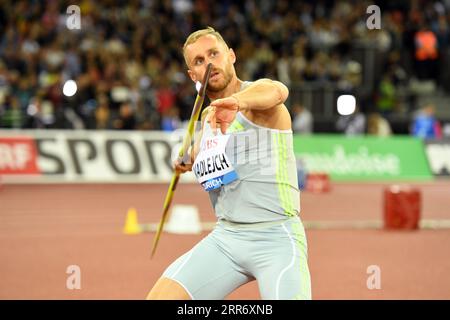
(244, 159)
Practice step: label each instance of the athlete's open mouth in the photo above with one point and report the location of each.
(214, 74)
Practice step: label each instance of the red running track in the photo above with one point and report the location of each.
(46, 228)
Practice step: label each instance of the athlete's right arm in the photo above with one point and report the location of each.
(193, 151)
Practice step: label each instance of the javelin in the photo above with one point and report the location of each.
(186, 143)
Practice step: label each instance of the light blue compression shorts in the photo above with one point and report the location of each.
(272, 253)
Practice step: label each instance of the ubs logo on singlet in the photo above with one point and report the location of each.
(209, 144)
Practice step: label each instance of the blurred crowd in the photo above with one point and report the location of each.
(126, 58)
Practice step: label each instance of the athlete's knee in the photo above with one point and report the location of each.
(168, 289)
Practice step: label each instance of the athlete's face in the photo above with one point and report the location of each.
(208, 49)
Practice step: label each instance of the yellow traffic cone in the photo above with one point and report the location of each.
(131, 223)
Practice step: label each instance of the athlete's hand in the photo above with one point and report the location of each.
(222, 112)
(181, 167)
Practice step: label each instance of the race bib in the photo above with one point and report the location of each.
(212, 167)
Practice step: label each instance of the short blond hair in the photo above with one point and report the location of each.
(193, 37)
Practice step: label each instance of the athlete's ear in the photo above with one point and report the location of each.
(192, 75)
(232, 56)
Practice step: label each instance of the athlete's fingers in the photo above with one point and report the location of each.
(209, 115)
(219, 103)
(223, 127)
(228, 103)
(212, 119)
(181, 167)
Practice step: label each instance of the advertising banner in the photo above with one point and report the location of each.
(365, 158)
(87, 156)
(60, 156)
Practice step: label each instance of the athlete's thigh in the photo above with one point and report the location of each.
(167, 289)
(207, 271)
(283, 273)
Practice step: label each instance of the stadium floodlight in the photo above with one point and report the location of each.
(70, 88)
(346, 104)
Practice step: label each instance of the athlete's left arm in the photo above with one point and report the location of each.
(261, 95)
